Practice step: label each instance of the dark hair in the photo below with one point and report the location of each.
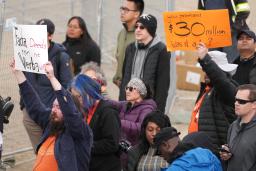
(149, 94)
(139, 5)
(157, 117)
(82, 25)
(251, 88)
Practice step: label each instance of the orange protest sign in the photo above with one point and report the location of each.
(183, 30)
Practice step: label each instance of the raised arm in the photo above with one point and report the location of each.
(73, 119)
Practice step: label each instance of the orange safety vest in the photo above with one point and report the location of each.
(193, 125)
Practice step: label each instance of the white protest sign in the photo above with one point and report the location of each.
(30, 47)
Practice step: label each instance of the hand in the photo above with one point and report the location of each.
(202, 50)
(225, 155)
(117, 83)
(20, 77)
(49, 70)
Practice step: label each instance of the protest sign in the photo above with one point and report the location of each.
(184, 30)
(30, 47)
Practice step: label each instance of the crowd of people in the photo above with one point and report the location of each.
(73, 124)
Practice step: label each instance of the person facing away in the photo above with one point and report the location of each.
(184, 156)
(246, 70)
(129, 14)
(239, 11)
(240, 149)
(147, 59)
(103, 119)
(60, 61)
(144, 156)
(67, 140)
(214, 109)
(79, 44)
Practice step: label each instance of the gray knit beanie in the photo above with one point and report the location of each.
(139, 85)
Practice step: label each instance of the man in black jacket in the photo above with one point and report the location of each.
(216, 111)
(147, 59)
(246, 70)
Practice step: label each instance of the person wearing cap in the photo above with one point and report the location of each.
(138, 105)
(184, 156)
(60, 61)
(246, 70)
(147, 58)
(130, 11)
(214, 108)
(241, 140)
(239, 11)
(144, 156)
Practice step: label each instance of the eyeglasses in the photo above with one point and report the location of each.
(130, 88)
(242, 102)
(126, 10)
(141, 27)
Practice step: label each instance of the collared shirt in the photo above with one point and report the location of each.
(151, 162)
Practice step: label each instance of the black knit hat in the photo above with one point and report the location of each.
(48, 23)
(164, 135)
(149, 22)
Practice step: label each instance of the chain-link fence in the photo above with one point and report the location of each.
(102, 19)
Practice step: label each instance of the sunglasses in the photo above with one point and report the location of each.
(141, 27)
(130, 88)
(242, 102)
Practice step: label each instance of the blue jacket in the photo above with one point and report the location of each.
(60, 61)
(197, 159)
(73, 146)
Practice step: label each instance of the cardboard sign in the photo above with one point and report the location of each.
(184, 30)
(30, 47)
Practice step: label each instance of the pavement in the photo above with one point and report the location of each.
(16, 142)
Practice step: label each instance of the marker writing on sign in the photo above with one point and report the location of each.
(19, 40)
(28, 63)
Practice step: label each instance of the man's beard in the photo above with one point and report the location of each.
(56, 127)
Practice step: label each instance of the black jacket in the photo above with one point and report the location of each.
(105, 125)
(217, 110)
(155, 71)
(82, 51)
(232, 5)
(250, 66)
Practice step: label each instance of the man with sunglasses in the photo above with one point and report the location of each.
(240, 153)
(147, 59)
(130, 11)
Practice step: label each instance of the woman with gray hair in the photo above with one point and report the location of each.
(138, 105)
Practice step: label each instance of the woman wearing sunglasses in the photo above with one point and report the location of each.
(137, 106)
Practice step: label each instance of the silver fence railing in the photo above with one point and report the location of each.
(102, 19)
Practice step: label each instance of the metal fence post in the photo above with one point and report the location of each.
(2, 7)
(172, 89)
(100, 21)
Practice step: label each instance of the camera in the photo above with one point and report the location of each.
(124, 145)
(6, 107)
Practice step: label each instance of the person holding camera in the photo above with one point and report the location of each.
(138, 105)
(67, 140)
(240, 152)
